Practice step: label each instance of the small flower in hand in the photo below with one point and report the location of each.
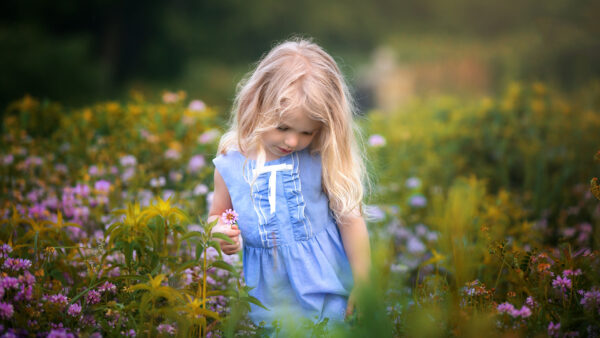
(229, 217)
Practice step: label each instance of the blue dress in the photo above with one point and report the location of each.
(293, 254)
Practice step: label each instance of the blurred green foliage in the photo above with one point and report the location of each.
(533, 141)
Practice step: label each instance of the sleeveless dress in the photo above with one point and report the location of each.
(293, 254)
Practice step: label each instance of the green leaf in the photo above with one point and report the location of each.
(223, 237)
(217, 246)
(208, 313)
(254, 301)
(191, 234)
(225, 266)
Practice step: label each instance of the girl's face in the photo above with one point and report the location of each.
(294, 133)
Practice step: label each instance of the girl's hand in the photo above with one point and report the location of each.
(234, 233)
(351, 303)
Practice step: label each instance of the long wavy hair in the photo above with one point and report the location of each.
(300, 74)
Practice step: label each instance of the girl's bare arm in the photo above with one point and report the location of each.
(222, 202)
(356, 244)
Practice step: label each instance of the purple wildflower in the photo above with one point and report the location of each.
(562, 283)
(59, 299)
(102, 186)
(60, 333)
(374, 213)
(553, 329)
(158, 182)
(93, 297)
(524, 312)
(5, 249)
(6, 310)
(93, 170)
(17, 264)
(196, 163)
(107, 286)
(128, 161)
(130, 333)
(505, 308)
(415, 246)
(591, 300)
(417, 201)
(9, 283)
(531, 302)
(37, 211)
(82, 190)
(74, 310)
(26, 293)
(412, 183)
(88, 320)
(10, 334)
(8, 159)
(51, 202)
(166, 328)
(585, 230)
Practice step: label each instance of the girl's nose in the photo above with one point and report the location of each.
(291, 141)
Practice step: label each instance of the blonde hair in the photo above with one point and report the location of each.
(300, 74)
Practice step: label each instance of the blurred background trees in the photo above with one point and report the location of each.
(77, 51)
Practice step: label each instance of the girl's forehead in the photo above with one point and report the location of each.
(299, 118)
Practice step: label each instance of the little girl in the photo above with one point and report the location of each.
(290, 167)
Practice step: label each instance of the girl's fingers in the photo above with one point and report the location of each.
(232, 232)
(230, 249)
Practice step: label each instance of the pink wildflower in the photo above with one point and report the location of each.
(376, 140)
(196, 105)
(570, 272)
(170, 97)
(229, 217)
(208, 136)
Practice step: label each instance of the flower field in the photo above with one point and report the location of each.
(482, 220)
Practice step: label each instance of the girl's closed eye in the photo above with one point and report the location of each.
(283, 128)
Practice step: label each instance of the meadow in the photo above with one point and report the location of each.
(484, 218)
